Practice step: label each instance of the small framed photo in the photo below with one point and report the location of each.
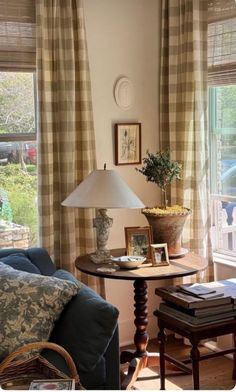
(159, 254)
(127, 143)
(138, 241)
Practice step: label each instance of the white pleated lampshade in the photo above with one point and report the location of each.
(103, 189)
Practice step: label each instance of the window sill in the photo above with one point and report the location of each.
(219, 258)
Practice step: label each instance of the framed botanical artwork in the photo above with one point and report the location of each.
(159, 254)
(138, 240)
(127, 143)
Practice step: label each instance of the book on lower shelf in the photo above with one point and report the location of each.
(203, 312)
(175, 312)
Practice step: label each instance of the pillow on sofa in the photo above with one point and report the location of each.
(20, 262)
(29, 306)
(90, 322)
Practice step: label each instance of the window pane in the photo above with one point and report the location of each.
(17, 112)
(19, 152)
(18, 162)
(225, 134)
(222, 124)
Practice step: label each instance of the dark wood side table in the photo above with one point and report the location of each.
(195, 333)
(140, 358)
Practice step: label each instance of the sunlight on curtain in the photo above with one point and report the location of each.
(66, 134)
(183, 112)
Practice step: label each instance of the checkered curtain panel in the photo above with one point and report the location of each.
(66, 142)
(183, 112)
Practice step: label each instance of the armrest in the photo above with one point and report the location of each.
(86, 327)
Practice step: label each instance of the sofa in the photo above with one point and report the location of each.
(87, 327)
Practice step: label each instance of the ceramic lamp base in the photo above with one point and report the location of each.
(102, 223)
(101, 258)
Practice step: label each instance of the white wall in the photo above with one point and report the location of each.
(123, 39)
(224, 269)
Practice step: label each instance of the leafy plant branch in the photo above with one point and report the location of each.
(160, 169)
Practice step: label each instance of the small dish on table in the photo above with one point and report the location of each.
(128, 262)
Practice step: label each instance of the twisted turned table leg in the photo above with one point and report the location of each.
(137, 358)
(140, 321)
(140, 358)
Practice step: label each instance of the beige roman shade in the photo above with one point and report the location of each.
(219, 10)
(17, 35)
(221, 42)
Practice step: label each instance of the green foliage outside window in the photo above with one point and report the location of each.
(16, 102)
(21, 190)
(226, 103)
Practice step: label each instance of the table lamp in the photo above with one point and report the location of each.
(102, 189)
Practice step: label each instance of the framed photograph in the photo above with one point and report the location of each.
(159, 254)
(138, 240)
(127, 144)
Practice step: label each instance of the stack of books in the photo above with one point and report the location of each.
(199, 304)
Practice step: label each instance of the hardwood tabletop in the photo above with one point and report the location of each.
(190, 264)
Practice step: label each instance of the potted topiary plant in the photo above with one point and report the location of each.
(167, 222)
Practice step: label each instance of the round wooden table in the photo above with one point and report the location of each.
(190, 264)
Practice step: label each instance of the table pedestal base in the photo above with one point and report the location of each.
(140, 358)
(136, 364)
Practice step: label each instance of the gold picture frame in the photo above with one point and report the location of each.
(160, 255)
(138, 240)
(127, 143)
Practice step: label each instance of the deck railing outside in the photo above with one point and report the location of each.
(224, 224)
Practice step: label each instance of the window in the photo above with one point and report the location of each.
(18, 160)
(18, 149)
(222, 125)
(222, 122)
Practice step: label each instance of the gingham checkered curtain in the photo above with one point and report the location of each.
(183, 112)
(66, 144)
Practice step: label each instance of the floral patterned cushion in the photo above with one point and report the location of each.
(29, 306)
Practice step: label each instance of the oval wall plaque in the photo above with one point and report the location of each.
(123, 93)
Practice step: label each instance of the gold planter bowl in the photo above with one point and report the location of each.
(167, 228)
